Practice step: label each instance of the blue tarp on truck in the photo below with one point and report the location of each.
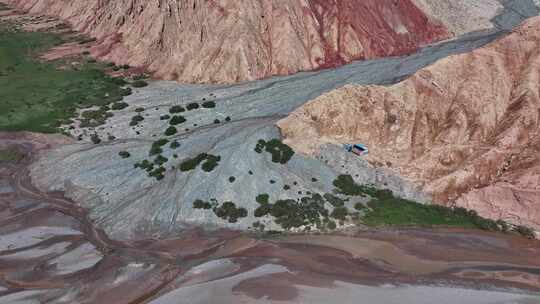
(357, 149)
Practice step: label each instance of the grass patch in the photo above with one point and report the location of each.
(401, 212)
(387, 209)
(10, 155)
(38, 96)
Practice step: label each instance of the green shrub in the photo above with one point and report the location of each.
(139, 83)
(176, 109)
(126, 91)
(331, 225)
(174, 144)
(160, 142)
(176, 120)
(139, 110)
(232, 179)
(525, 231)
(230, 212)
(95, 138)
(155, 150)
(347, 186)
(211, 162)
(192, 106)
(200, 204)
(262, 210)
(136, 119)
(359, 206)
(192, 163)
(260, 146)
(124, 154)
(334, 200)
(262, 198)
(160, 160)
(158, 173)
(164, 117)
(170, 131)
(281, 153)
(119, 81)
(339, 213)
(216, 121)
(209, 104)
(119, 106)
(140, 77)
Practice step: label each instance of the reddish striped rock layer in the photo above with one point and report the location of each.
(211, 41)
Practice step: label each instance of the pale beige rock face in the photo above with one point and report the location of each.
(462, 16)
(225, 41)
(466, 128)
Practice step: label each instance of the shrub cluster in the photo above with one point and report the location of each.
(288, 213)
(157, 173)
(281, 153)
(200, 204)
(210, 162)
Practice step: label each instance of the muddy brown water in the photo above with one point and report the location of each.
(51, 252)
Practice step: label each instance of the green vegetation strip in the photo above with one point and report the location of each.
(39, 96)
(387, 209)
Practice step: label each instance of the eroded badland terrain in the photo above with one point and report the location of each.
(192, 151)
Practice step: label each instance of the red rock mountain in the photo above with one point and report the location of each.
(224, 41)
(466, 128)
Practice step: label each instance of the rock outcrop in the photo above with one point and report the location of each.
(209, 41)
(465, 128)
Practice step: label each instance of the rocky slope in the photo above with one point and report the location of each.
(466, 128)
(229, 40)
